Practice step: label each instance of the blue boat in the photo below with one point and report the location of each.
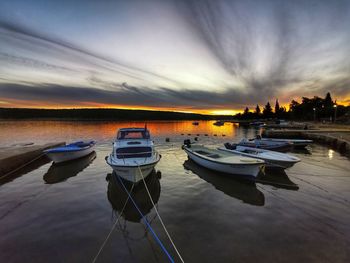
(70, 151)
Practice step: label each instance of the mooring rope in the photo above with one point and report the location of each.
(112, 229)
(147, 223)
(20, 167)
(160, 219)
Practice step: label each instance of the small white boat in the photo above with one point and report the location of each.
(59, 172)
(297, 143)
(70, 151)
(271, 158)
(221, 161)
(133, 154)
(267, 145)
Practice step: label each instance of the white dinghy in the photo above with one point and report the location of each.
(267, 145)
(133, 155)
(71, 151)
(223, 161)
(297, 143)
(271, 158)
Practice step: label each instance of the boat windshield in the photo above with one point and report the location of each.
(134, 152)
(122, 135)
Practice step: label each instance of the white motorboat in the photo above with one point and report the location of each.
(297, 143)
(133, 155)
(271, 158)
(267, 145)
(70, 151)
(221, 161)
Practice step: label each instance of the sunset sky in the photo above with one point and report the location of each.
(192, 56)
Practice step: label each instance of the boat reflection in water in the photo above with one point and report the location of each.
(59, 172)
(277, 178)
(117, 195)
(243, 190)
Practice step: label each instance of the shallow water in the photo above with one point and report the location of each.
(64, 213)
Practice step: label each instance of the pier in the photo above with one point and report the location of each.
(15, 157)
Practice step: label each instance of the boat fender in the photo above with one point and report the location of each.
(159, 174)
(196, 138)
(167, 139)
(108, 177)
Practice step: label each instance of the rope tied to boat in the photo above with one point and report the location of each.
(113, 227)
(160, 219)
(146, 222)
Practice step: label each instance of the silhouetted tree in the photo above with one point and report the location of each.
(257, 111)
(267, 112)
(277, 107)
(246, 111)
(328, 102)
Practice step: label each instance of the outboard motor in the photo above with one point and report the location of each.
(187, 143)
(229, 146)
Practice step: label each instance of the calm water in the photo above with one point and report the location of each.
(64, 213)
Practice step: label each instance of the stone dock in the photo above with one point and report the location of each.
(16, 157)
(338, 139)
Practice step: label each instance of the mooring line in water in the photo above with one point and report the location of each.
(112, 229)
(276, 183)
(21, 167)
(147, 223)
(160, 219)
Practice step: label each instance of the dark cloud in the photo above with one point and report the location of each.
(289, 33)
(124, 94)
(67, 50)
(265, 46)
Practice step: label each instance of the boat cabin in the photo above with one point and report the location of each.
(133, 133)
(133, 143)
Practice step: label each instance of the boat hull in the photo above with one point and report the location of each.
(246, 170)
(59, 157)
(273, 147)
(296, 143)
(132, 173)
(270, 163)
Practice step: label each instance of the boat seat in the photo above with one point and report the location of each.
(202, 152)
(214, 156)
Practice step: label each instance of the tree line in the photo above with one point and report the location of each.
(315, 108)
(100, 114)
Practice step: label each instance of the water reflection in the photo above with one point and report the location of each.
(26, 169)
(117, 196)
(62, 171)
(245, 191)
(49, 131)
(277, 178)
(304, 151)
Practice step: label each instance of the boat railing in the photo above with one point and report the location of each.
(136, 154)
